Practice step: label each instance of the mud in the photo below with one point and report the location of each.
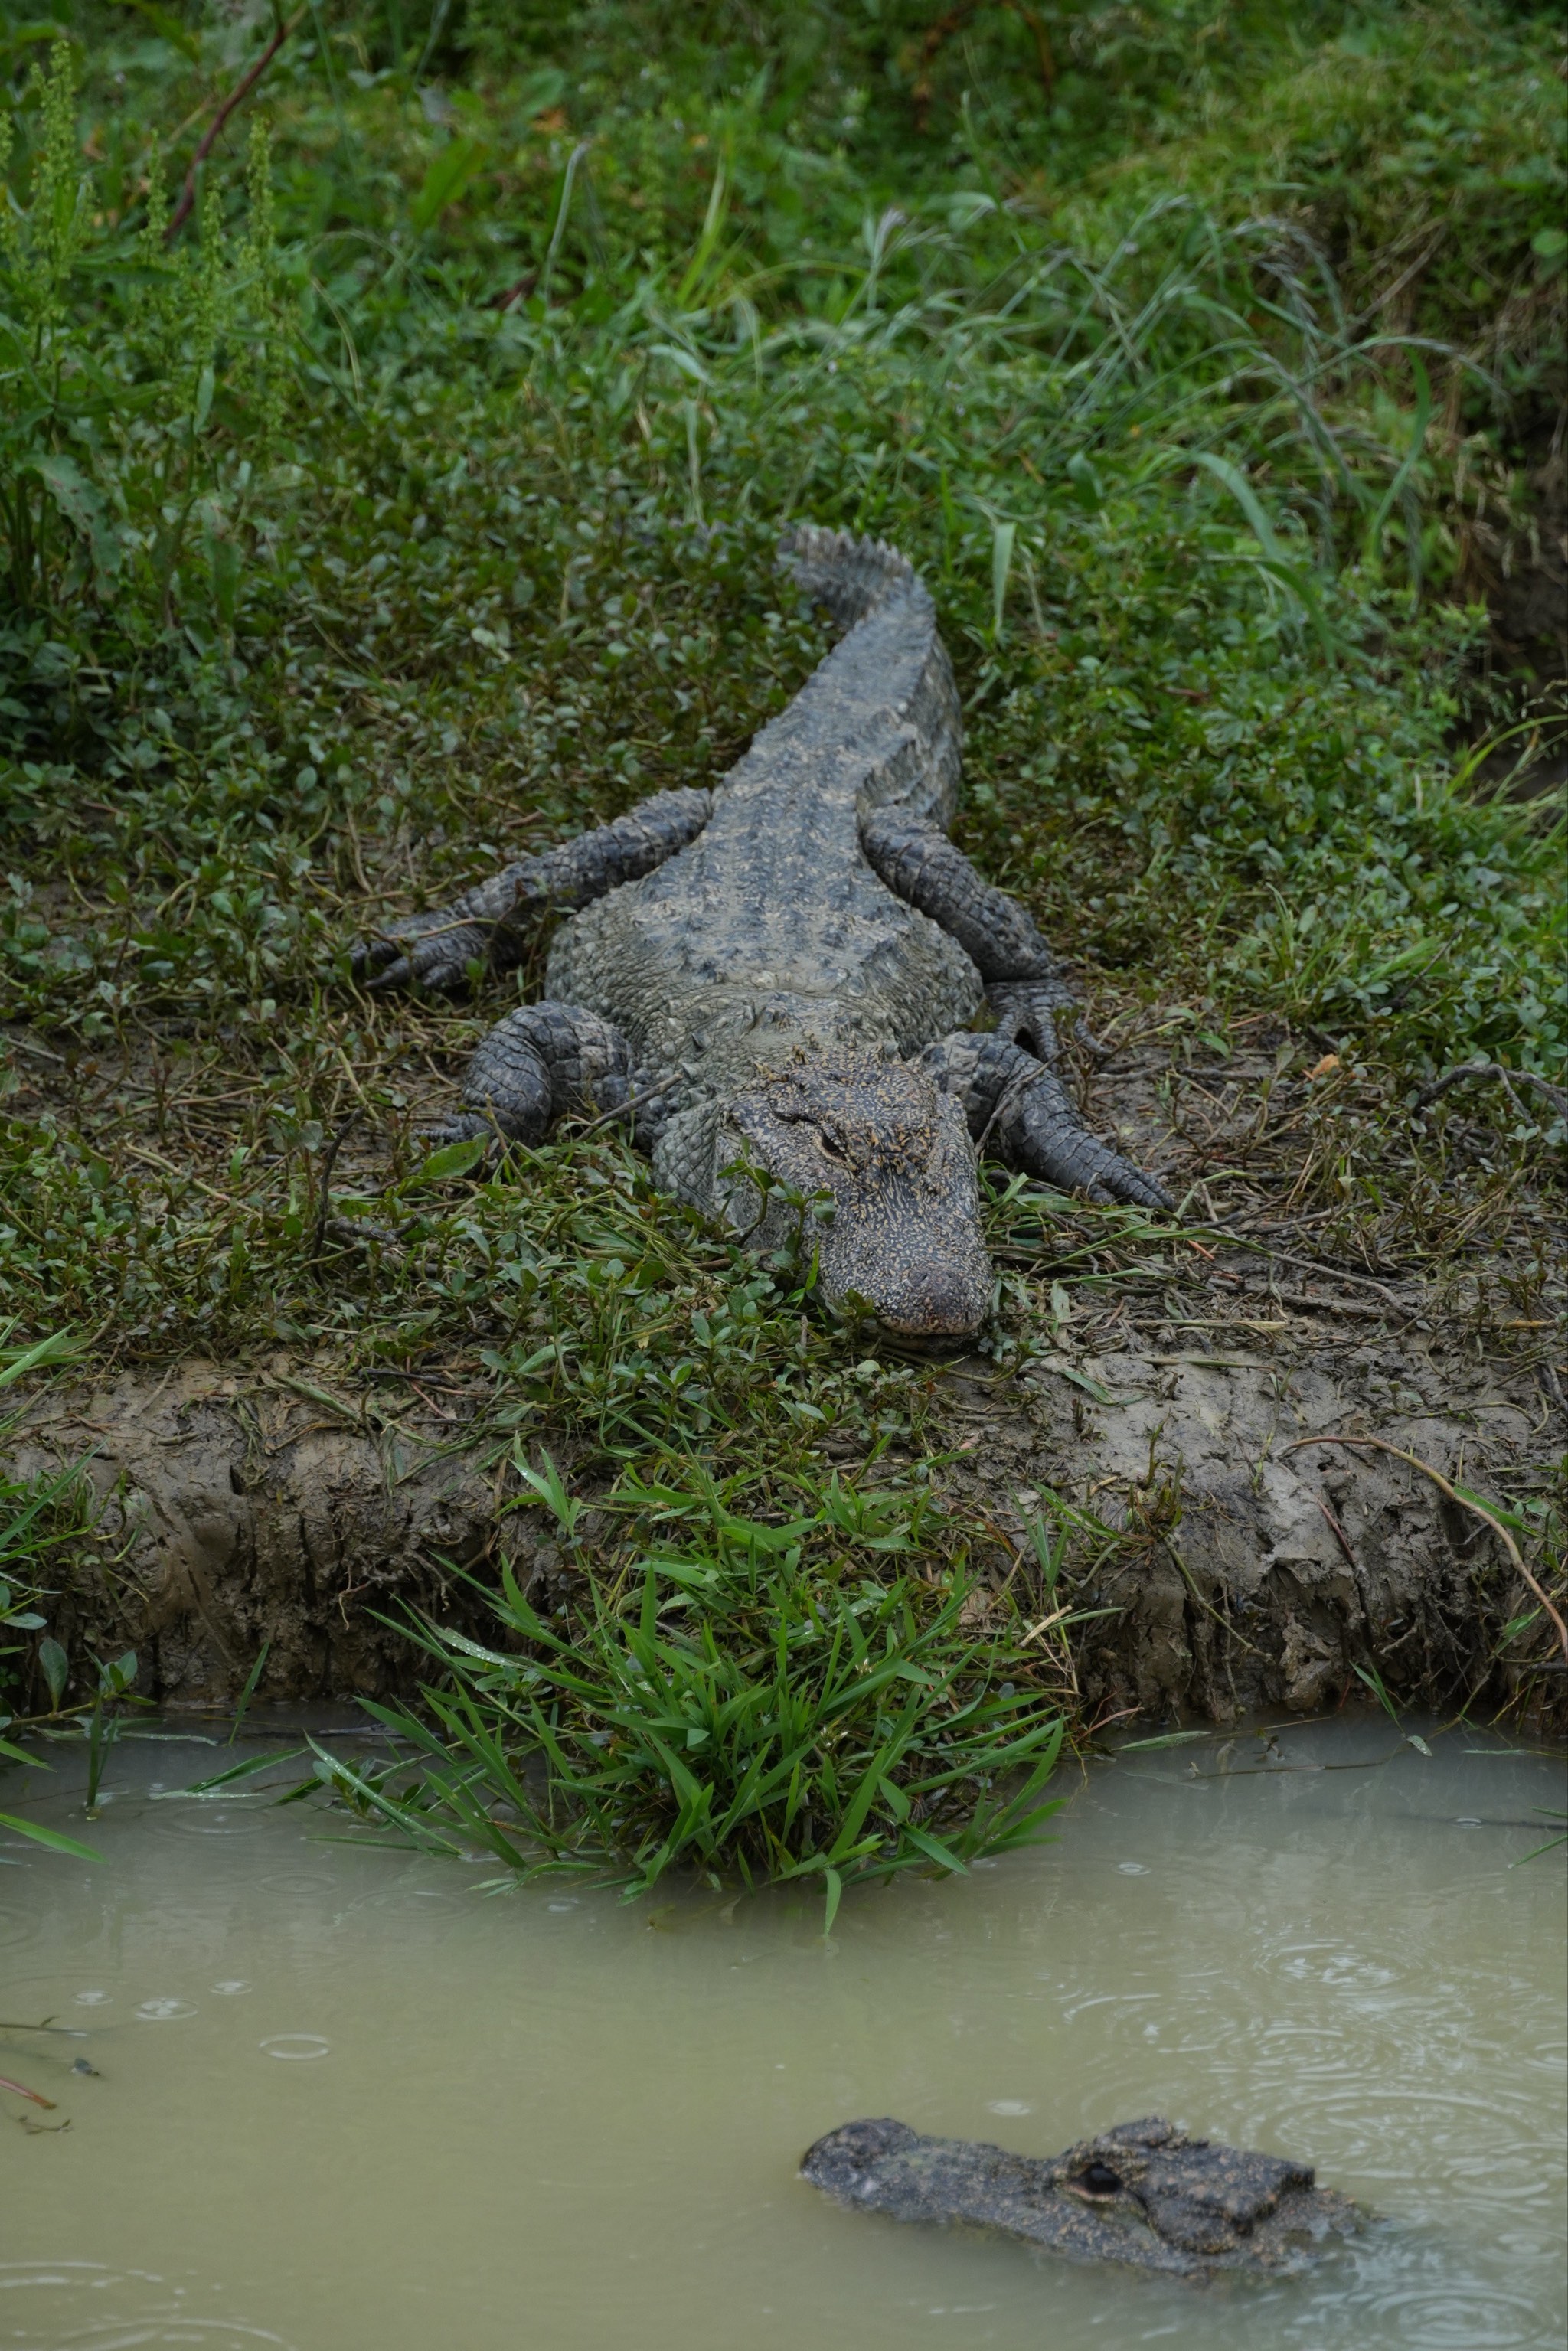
(233, 1513)
(1241, 1568)
(1257, 1570)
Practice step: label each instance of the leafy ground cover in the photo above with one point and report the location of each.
(407, 500)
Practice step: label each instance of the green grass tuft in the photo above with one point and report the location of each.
(743, 1699)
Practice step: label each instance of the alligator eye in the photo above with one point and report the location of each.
(1099, 2180)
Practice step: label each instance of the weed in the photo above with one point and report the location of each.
(141, 391)
(741, 1703)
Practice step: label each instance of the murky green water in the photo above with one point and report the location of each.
(342, 2101)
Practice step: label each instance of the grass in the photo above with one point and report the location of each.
(42, 1516)
(744, 1700)
(415, 506)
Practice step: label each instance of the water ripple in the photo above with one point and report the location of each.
(106, 2309)
(198, 1818)
(1450, 2317)
(18, 1927)
(300, 2046)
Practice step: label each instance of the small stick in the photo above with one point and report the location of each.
(237, 97)
(22, 2091)
(632, 1102)
(1380, 1445)
(324, 1180)
(1337, 1530)
(1332, 1273)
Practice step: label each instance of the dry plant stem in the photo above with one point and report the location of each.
(632, 1103)
(21, 2090)
(1508, 1079)
(1332, 1273)
(324, 1180)
(1380, 1445)
(237, 97)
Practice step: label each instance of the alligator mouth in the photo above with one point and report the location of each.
(900, 1340)
(945, 1320)
(927, 1287)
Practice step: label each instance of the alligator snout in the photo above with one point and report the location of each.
(903, 1244)
(943, 1307)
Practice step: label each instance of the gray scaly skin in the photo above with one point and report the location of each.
(776, 979)
(1143, 2193)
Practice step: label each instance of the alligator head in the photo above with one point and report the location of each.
(903, 1243)
(1143, 2193)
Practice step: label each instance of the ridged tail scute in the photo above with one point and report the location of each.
(851, 576)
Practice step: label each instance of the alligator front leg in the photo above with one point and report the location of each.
(543, 1063)
(1020, 1110)
(490, 925)
(1023, 979)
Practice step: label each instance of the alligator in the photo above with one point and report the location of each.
(1143, 2193)
(805, 998)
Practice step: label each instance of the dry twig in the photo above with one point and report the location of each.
(1507, 1079)
(237, 97)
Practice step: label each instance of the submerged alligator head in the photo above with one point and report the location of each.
(893, 1154)
(1143, 2193)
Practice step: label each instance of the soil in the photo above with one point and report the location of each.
(1260, 1570)
(293, 1505)
(1249, 1569)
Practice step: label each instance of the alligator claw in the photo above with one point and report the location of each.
(1122, 1181)
(1039, 1130)
(433, 951)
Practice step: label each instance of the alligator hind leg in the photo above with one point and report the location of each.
(1020, 1110)
(920, 865)
(490, 924)
(1023, 980)
(542, 1062)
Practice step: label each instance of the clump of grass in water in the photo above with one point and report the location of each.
(732, 1712)
(38, 1516)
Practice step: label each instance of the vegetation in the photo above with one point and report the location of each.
(741, 1702)
(408, 501)
(39, 1516)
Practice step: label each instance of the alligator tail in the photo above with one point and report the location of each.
(851, 576)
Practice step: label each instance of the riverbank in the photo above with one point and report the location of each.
(1219, 1551)
(1214, 396)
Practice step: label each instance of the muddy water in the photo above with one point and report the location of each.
(344, 2101)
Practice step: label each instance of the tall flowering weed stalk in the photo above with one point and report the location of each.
(144, 390)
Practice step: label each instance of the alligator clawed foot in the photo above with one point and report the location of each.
(435, 951)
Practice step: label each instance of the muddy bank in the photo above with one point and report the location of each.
(1258, 1570)
(1239, 1566)
(233, 1512)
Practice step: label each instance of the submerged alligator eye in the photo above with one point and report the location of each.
(1099, 2180)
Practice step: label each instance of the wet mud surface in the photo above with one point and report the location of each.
(1249, 1567)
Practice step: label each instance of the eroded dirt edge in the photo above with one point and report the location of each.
(238, 1510)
